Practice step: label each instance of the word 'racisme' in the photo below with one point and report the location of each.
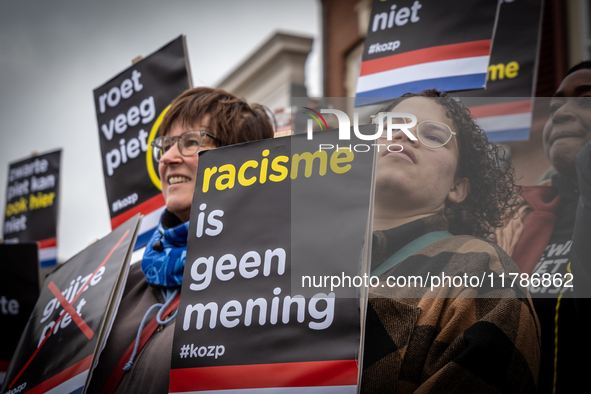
(225, 176)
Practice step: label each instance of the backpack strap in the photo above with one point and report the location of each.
(409, 249)
(147, 333)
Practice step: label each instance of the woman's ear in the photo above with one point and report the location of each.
(459, 190)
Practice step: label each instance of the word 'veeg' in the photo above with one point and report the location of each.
(147, 110)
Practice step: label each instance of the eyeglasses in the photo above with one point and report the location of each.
(430, 133)
(189, 143)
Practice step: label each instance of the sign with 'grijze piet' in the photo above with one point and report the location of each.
(72, 316)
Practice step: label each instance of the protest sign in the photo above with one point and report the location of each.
(19, 290)
(265, 216)
(129, 109)
(413, 45)
(72, 317)
(282, 121)
(504, 108)
(32, 201)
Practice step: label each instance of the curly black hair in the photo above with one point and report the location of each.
(584, 65)
(492, 181)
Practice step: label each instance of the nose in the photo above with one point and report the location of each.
(172, 155)
(564, 113)
(402, 136)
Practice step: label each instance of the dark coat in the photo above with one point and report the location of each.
(150, 372)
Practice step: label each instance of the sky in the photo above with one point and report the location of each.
(53, 54)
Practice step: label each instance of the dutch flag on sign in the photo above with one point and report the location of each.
(447, 67)
(152, 210)
(414, 45)
(506, 121)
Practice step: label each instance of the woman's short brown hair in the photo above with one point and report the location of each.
(231, 119)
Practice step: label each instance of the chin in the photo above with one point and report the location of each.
(393, 179)
(564, 165)
(178, 209)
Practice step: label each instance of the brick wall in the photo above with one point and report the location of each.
(341, 34)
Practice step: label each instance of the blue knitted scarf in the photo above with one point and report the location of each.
(164, 259)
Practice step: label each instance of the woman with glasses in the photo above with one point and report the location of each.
(136, 358)
(463, 329)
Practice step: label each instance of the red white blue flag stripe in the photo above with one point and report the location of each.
(318, 377)
(505, 122)
(69, 381)
(446, 67)
(47, 252)
(152, 210)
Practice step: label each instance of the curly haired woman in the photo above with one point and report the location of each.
(435, 201)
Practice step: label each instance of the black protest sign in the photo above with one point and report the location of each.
(32, 201)
(413, 45)
(129, 109)
(504, 108)
(67, 326)
(244, 311)
(413, 22)
(19, 290)
(513, 59)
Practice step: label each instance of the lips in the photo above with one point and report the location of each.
(406, 153)
(563, 134)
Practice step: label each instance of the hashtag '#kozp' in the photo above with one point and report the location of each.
(185, 351)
